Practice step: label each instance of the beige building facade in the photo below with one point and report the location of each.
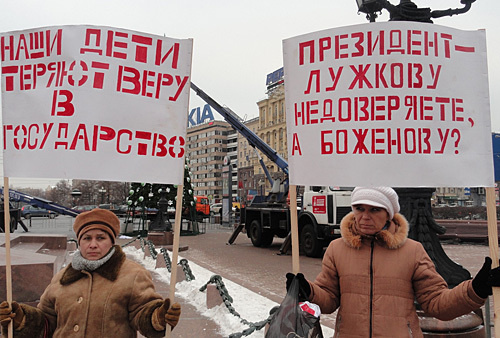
(206, 148)
(247, 160)
(210, 142)
(272, 130)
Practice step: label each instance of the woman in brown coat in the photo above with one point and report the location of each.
(374, 273)
(100, 294)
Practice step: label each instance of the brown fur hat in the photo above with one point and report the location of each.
(97, 219)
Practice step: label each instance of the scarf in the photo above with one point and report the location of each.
(80, 263)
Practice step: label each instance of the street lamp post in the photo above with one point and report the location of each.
(416, 202)
(76, 195)
(407, 10)
(102, 191)
(161, 221)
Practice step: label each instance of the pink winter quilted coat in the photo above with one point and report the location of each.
(374, 281)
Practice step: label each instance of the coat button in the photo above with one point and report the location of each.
(80, 299)
(76, 328)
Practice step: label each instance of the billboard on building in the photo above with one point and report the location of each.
(200, 115)
(275, 78)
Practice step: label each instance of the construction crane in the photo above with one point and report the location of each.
(18, 196)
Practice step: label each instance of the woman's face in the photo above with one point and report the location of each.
(369, 219)
(95, 244)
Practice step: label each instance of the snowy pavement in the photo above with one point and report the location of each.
(247, 303)
(254, 278)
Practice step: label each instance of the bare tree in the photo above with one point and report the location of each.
(92, 192)
(97, 192)
(31, 191)
(61, 193)
(88, 189)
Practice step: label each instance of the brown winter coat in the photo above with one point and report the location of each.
(375, 281)
(115, 300)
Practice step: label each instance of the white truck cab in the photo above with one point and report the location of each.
(323, 207)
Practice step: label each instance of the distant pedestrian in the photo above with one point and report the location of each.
(100, 294)
(374, 274)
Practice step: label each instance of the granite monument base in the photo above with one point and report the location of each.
(34, 261)
(161, 237)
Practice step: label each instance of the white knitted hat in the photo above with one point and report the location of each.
(383, 197)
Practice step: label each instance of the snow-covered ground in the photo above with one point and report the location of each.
(248, 304)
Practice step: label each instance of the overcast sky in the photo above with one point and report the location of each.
(236, 42)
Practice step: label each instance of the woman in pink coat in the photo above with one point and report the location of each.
(374, 273)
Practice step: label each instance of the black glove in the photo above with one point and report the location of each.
(485, 279)
(304, 287)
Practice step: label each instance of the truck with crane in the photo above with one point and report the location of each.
(266, 217)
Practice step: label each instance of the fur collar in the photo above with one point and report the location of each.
(392, 238)
(108, 270)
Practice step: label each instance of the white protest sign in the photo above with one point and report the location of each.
(93, 102)
(400, 104)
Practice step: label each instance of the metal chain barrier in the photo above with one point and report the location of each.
(168, 262)
(253, 327)
(227, 299)
(183, 262)
(142, 244)
(132, 241)
(152, 249)
(72, 240)
(187, 270)
(215, 279)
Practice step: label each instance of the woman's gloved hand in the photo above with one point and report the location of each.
(166, 314)
(485, 279)
(8, 313)
(304, 287)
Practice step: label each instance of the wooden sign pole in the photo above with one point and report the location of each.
(491, 211)
(175, 248)
(8, 267)
(295, 229)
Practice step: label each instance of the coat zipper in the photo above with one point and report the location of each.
(371, 286)
(337, 327)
